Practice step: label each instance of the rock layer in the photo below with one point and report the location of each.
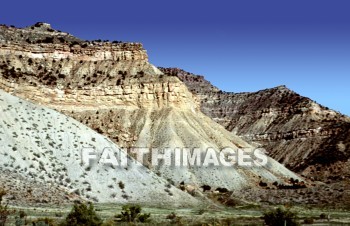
(305, 136)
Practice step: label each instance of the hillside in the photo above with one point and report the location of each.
(113, 89)
(45, 147)
(306, 137)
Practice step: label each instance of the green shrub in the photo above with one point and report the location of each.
(21, 219)
(22, 214)
(132, 213)
(323, 216)
(309, 220)
(44, 222)
(81, 214)
(108, 222)
(280, 217)
(174, 219)
(121, 185)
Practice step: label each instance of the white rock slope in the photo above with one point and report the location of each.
(44, 145)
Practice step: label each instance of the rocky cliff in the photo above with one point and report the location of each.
(95, 74)
(305, 136)
(113, 89)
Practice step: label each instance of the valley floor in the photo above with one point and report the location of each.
(242, 215)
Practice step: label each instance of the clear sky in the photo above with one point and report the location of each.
(244, 45)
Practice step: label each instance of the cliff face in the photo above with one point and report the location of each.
(95, 74)
(303, 135)
(94, 85)
(112, 88)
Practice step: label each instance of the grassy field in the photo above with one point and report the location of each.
(243, 215)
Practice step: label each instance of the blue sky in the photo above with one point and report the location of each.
(244, 45)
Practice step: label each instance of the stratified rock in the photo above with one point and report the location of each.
(305, 136)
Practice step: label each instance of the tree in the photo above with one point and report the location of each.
(280, 217)
(132, 214)
(81, 214)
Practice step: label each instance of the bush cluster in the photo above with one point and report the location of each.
(83, 214)
(280, 217)
(133, 214)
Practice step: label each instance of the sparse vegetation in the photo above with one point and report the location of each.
(280, 216)
(242, 215)
(82, 214)
(323, 216)
(174, 219)
(133, 214)
(44, 222)
(309, 220)
(4, 210)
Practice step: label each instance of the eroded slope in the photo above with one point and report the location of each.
(45, 146)
(298, 132)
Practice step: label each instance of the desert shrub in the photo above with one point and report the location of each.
(174, 219)
(323, 216)
(206, 188)
(19, 221)
(132, 213)
(280, 217)
(309, 220)
(61, 39)
(121, 185)
(201, 211)
(47, 40)
(21, 218)
(22, 214)
(82, 214)
(44, 222)
(74, 43)
(30, 61)
(109, 222)
(61, 76)
(171, 216)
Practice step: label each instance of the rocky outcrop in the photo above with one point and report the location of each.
(94, 74)
(305, 136)
(38, 33)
